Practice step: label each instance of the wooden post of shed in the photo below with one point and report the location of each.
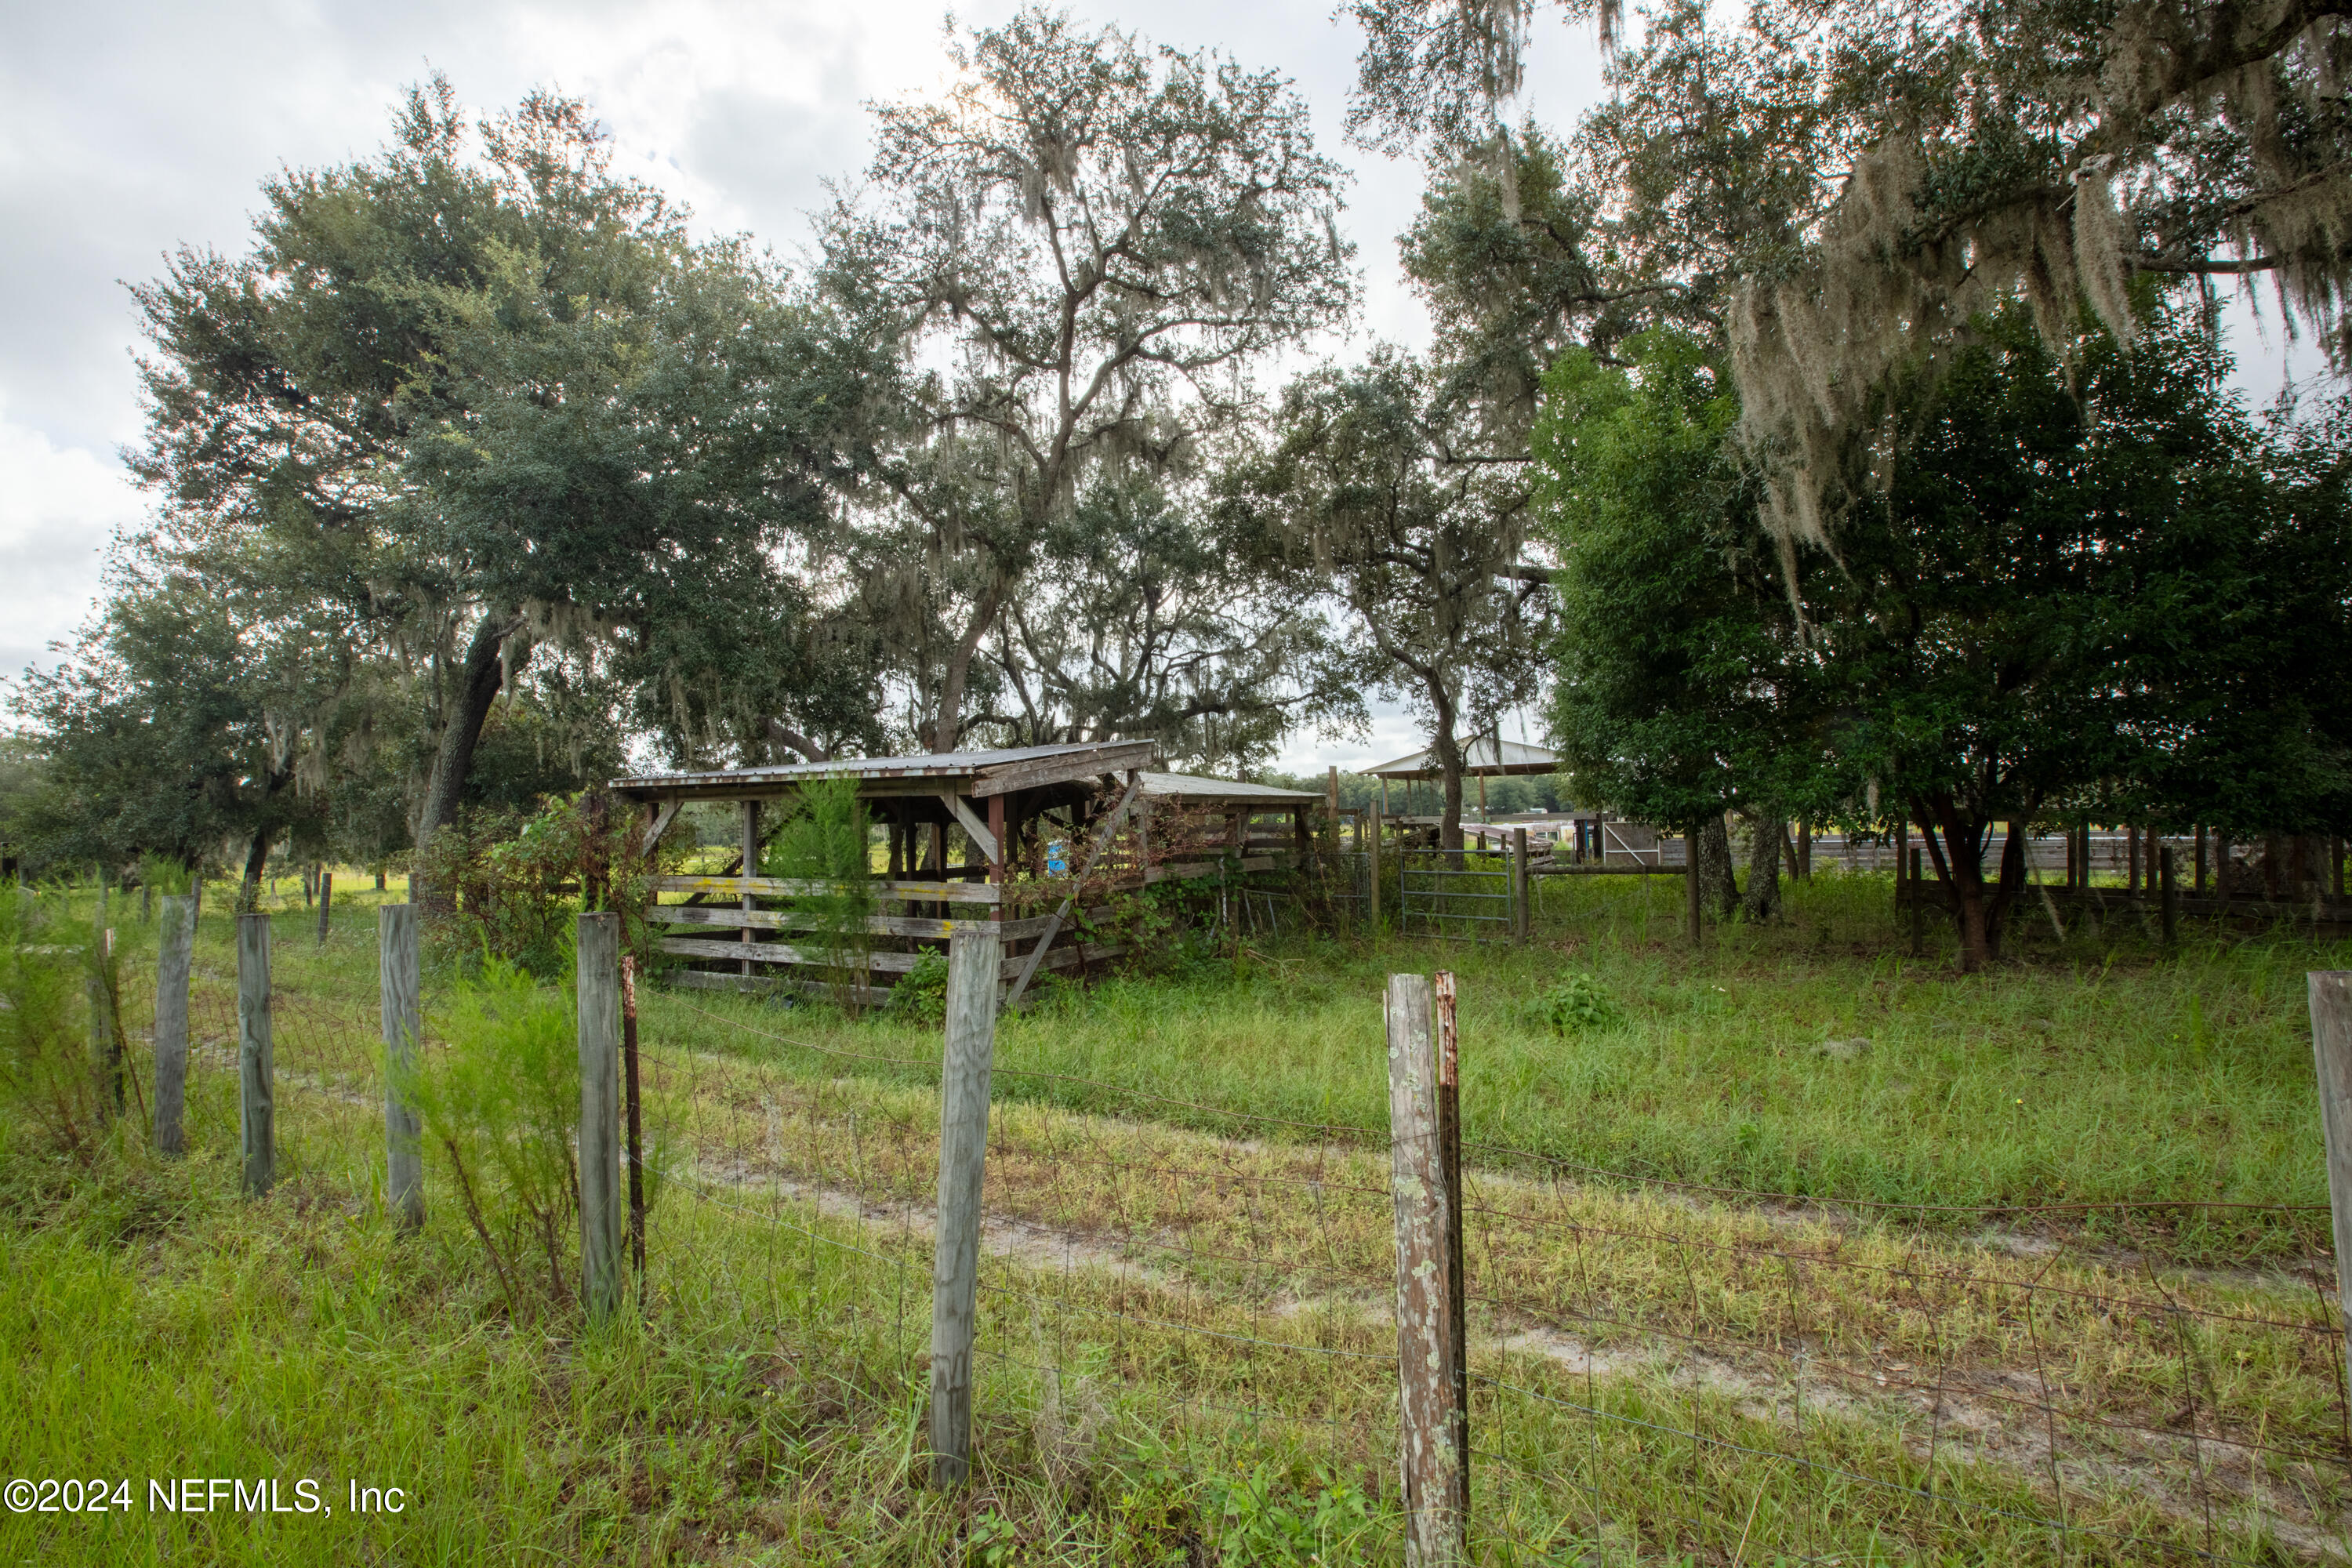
(175, 952)
(2331, 1045)
(975, 953)
(401, 1016)
(1372, 862)
(599, 980)
(257, 1091)
(1434, 1460)
(750, 869)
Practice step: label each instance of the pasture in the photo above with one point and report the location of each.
(1735, 1210)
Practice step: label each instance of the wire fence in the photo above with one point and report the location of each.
(1657, 1366)
(1654, 1367)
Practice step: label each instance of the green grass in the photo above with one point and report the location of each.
(768, 1406)
(2099, 1070)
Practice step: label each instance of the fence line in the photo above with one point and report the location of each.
(1262, 1303)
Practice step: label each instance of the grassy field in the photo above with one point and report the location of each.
(1204, 1290)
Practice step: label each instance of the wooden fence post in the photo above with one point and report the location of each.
(257, 1088)
(1693, 910)
(1372, 868)
(974, 956)
(326, 898)
(399, 992)
(2331, 1046)
(1449, 1143)
(1434, 1457)
(176, 953)
(1523, 926)
(634, 1151)
(2168, 895)
(1918, 910)
(599, 979)
(105, 1040)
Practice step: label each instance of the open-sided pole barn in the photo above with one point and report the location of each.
(1120, 826)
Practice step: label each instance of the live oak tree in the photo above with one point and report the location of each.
(1380, 492)
(203, 706)
(1856, 182)
(1140, 622)
(1077, 253)
(2076, 594)
(1683, 688)
(481, 395)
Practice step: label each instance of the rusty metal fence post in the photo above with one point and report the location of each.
(257, 1099)
(1432, 1377)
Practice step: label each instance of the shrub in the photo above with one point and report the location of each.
(501, 1098)
(825, 838)
(1577, 1004)
(922, 994)
(48, 1074)
(508, 884)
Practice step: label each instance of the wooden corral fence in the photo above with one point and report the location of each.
(1037, 826)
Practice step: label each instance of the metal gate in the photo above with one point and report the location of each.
(1470, 900)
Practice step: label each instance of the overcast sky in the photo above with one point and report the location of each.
(128, 131)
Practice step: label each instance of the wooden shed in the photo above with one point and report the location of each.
(1035, 825)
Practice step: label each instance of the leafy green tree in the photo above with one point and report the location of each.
(1852, 183)
(483, 397)
(1142, 624)
(203, 706)
(2075, 585)
(1379, 493)
(1077, 253)
(1683, 687)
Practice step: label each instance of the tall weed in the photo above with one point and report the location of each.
(50, 1075)
(501, 1098)
(825, 838)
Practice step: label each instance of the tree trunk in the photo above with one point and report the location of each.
(478, 684)
(1763, 898)
(1960, 862)
(1449, 821)
(1717, 887)
(256, 861)
(947, 728)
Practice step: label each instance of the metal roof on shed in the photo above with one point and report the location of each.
(1192, 786)
(1075, 761)
(1478, 756)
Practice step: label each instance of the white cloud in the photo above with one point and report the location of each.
(58, 508)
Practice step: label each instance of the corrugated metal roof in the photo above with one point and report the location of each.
(1478, 756)
(1193, 786)
(940, 764)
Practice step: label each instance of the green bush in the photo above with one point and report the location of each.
(922, 994)
(501, 1098)
(48, 1072)
(825, 838)
(505, 886)
(1578, 1004)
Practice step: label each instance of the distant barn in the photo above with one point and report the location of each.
(1119, 826)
